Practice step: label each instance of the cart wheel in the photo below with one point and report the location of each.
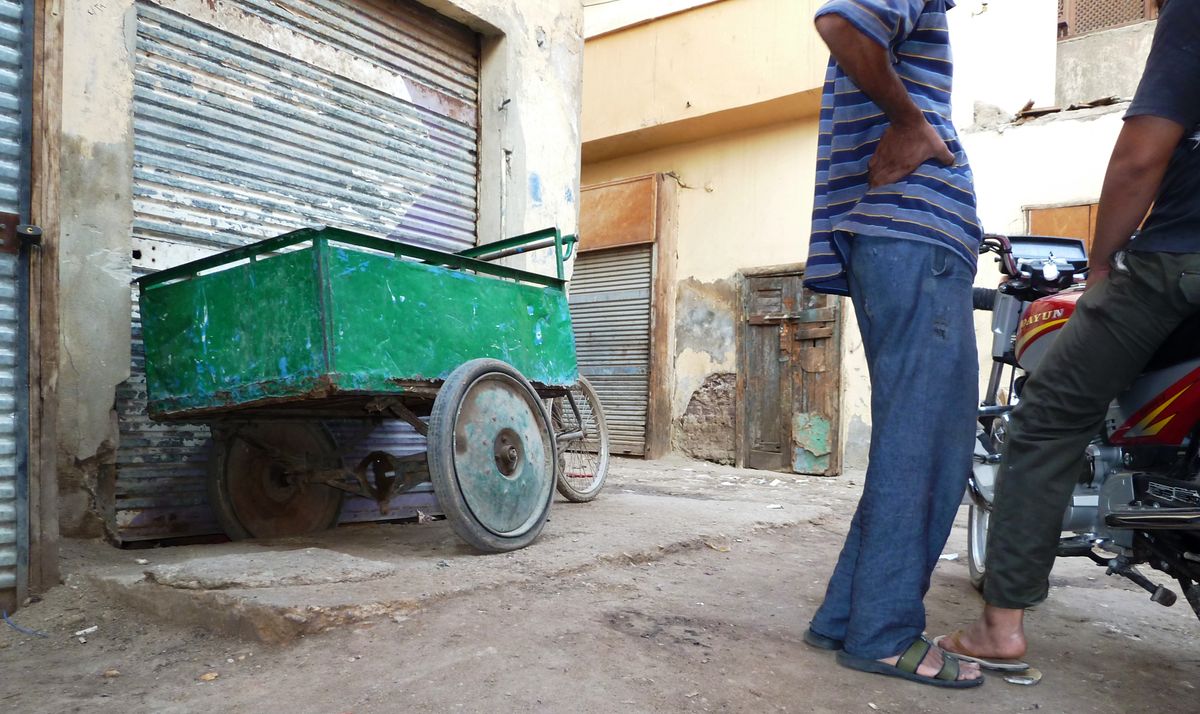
(254, 495)
(582, 461)
(491, 456)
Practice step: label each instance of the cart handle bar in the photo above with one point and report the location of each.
(563, 246)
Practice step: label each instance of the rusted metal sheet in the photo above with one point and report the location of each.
(618, 213)
(610, 297)
(255, 117)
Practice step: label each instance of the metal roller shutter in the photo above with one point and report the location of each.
(14, 87)
(361, 114)
(610, 308)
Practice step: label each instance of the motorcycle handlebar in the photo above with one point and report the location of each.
(983, 298)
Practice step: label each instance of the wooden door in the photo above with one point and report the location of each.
(788, 377)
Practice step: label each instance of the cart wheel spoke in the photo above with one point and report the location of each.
(256, 493)
(491, 456)
(582, 460)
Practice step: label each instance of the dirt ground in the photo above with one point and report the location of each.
(712, 624)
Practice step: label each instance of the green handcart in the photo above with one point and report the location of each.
(267, 342)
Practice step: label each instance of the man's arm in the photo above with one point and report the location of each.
(910, 140)
(1135, 172)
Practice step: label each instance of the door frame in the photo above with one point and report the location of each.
(45, 53)
(741, 445)
(663, 292)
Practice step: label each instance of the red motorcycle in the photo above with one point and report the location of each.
(1138, 500)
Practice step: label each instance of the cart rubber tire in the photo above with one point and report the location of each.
(588, 457)
(491, 456)
(246, 488)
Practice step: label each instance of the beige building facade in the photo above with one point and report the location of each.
(722, 99)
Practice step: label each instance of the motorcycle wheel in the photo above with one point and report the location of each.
(977, 533)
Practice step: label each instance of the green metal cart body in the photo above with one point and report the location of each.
(266, 341)
(316, 313)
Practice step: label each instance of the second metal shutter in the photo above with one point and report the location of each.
(14, 85)
(610, 308)
(239, 136)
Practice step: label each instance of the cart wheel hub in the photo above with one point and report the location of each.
(508, 453)
(257, 489)
(277, 484)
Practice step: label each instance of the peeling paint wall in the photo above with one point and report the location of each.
(529, 179)
(706, 429)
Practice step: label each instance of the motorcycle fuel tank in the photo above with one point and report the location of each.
(1041, 325)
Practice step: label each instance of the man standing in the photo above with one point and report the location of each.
(1127, 312)
(894, 227)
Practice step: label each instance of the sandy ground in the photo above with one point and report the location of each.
(711, 624)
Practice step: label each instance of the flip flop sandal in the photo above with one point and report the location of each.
(995, 665)
(821, 642)
(906, 667)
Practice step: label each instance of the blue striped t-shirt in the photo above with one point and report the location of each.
(934, 204)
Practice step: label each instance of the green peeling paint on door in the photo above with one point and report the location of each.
(810, 434)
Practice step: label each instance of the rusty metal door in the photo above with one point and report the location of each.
(788, 377)
(611, 308)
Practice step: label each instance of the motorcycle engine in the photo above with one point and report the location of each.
(1083, 512)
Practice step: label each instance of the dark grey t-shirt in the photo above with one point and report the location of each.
(1170, 88)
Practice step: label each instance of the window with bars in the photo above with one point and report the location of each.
(1078, 17)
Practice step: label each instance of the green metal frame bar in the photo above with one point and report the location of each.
(461, 261)
(515, 242)
(564, 246)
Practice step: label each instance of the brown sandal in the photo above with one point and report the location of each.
(995, 665)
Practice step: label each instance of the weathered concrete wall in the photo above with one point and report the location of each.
(1056, 160)
(1103, 64)
(532, 55)
(1003, 55)
(97, 215)
(706, 429)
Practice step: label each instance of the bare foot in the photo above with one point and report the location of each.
(998, 634)
(932, 664)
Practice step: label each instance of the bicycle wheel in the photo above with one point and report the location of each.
(582, 436)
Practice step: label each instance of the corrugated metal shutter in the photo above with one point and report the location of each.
(267, 115)
(13, 166)
(610, 308)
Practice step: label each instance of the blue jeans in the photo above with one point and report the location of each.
(913, 304)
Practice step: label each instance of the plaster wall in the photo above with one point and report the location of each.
(1103, 64)
(745, 201)
(1056, 160)
(532, 55)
